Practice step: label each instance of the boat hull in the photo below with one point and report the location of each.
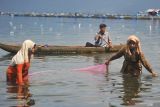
(49, 50)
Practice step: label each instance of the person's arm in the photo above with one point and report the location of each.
(104, 39)
(109, 42)
(19, 74)
(96, 37)
(116, 56)
(25, 72)
(146, 64)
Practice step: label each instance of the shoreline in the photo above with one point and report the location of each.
(81, 15)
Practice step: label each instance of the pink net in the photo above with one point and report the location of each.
(38, 73)
(97, 69)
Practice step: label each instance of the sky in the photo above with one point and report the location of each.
(88, 6)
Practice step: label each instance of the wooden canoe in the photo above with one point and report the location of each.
(51, 49)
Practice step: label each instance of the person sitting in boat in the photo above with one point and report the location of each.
(17, 72)
(102, 38)
(133, 58)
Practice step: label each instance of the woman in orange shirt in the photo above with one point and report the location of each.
(17, 72)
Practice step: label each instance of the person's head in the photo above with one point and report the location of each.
(24, 54)
(32, 50)
(133, 43)
(28, 48)
(102, 28)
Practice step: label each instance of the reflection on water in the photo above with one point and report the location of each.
(57, 85)
(21, 94)
(153, 27)
(99, 58)
(58, 88)
(127, 90)
(131, 89)
(6, 57)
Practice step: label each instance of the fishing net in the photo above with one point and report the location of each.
(96, 69)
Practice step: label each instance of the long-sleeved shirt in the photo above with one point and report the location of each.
(132, 64)
(101, 39)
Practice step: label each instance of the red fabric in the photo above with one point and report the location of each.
(11, 75)
(18, 74)
(25, 71)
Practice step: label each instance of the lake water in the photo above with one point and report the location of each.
(57, 85)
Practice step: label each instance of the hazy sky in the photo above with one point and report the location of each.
(111, 6)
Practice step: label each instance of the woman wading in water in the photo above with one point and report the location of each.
(133, 58)
(17, 72)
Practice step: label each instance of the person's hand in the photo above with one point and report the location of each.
(21, 84)
(26, 66)
(26, 83)
(107, 62)
(101, 36)
(154, 74)
(110, 44)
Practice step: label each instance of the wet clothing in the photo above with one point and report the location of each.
(100, 41)
(17, 72)
(132, 63)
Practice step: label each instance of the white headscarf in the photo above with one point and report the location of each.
(22, 55)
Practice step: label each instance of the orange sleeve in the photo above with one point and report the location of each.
(25, 71)
(26, 66)
(19, 74)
